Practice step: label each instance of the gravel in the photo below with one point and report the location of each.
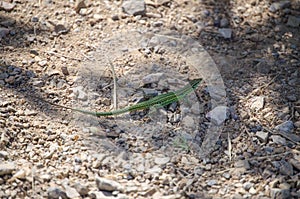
(62, 51)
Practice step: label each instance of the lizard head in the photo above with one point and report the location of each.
(195, 83)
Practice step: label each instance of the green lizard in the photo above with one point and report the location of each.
(160, 100)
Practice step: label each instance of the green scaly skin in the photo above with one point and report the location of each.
(160, 100)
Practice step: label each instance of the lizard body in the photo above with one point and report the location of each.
(160, 100)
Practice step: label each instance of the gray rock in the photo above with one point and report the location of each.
(293, 21)
(148, 193)
(226, 175)
(65, 70)
(257, 103)
(4, 32)
(98, 17)
(218, 115)
(274, 183)
(152, 78)
(99, 159)
(3, 75)
(115, 17)
(84, 12)
(122, 196)
(8, 22)
(51, 73)
(297, 124)
(269, 149)
(7, 6)
(286, 168)
(285, 185)
(263, 67)
(134, 7)
(38, 83)
(45, 177)
(279, 28)
(79, 5)
(4, 154)
(61, 29)
(206, 13)
(276, 164)
(291, 97)
(263, 136)
(295, 162)
(237, 196)
(247, 185)
(279, 6)
(157, 24)
(108, 185)
(150, 92)
(100, 195)
(225, 32)
(34, 19)
(188, 122)
(287, 11)
(173, 106)
(244, 114)
(42, 63)
(79, 93)
(154, 170)
(285, 127)
(217, 21)
(212, 182)
(71, 192)
(28, 112)
(277, 193)
(21, 174)
(242, 164)
(56, 193)
(31, 38)
(197, 109)
(48, 154)
(252, 191)
(11, 80)
(213, 191)
(207, 167)
(140, 168)
(200, 26)
(7, 168)
(224, 23)
(161, 160)
(132, 189)
(278, 139)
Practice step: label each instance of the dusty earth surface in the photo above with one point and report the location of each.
(64, 51)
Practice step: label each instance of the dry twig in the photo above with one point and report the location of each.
(262, 87)
(61, 55)
(115, 84)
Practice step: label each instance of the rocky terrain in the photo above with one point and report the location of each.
(236, 136)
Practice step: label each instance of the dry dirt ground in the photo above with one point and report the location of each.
(64, 52)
